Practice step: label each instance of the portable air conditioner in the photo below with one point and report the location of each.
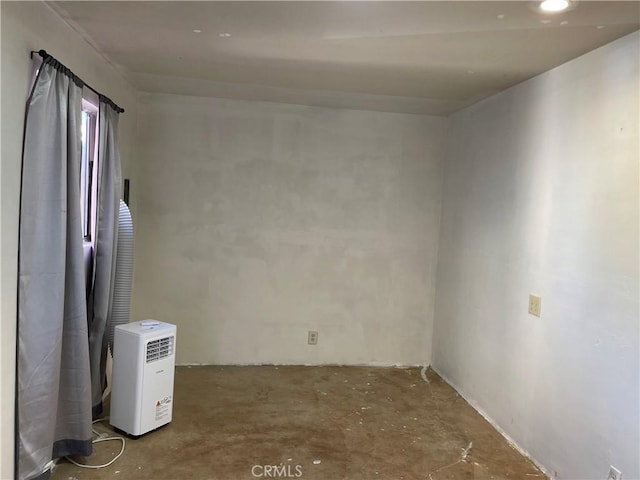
(143, 370)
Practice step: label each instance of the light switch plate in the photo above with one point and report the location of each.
(535, 303)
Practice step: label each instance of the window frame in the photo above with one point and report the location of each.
(89, 167)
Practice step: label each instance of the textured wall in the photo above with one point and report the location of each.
(541, 196)
(258, 222)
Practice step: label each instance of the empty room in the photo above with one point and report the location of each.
(320, 240)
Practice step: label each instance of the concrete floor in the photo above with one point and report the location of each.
(325, 423)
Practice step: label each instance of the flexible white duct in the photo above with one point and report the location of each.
(124, 273)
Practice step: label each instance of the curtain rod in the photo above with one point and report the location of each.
(104, 98)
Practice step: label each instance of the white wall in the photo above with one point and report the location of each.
(541, 196)
(31, 26)
(260, 221)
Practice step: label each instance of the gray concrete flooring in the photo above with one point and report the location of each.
(326, 423)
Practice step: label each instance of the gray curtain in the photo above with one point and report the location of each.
(106, 245)
(54, 386)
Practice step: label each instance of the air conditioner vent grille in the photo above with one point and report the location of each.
(159, 348)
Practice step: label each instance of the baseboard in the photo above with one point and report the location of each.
(497, 427)
(258, 364)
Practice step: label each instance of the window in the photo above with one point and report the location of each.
(89, 146)
(88, 166)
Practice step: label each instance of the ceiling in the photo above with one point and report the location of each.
(420, 57)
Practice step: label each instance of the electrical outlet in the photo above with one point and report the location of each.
(535, 303)
(614, 473)
(312, 338)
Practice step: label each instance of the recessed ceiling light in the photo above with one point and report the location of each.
(545, 21)
(224, 35)
(554, 5)
(501, 16)
(197, 31)
(564, 22)
(600, 27)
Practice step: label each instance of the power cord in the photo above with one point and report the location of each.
(101, 437)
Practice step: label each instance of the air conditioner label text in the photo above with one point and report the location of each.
(163, 406)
